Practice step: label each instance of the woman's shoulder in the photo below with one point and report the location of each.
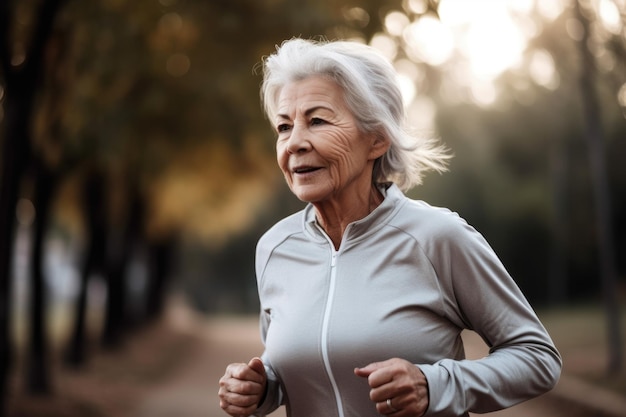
(415, 214)
(425, 221)
(282, 229)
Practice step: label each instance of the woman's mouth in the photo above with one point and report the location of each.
(304, 170)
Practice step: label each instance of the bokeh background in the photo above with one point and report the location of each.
(138, 170)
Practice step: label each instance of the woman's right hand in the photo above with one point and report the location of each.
(242, 387)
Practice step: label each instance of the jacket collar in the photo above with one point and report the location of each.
(360, 229)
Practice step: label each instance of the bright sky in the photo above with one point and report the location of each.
(476, 41)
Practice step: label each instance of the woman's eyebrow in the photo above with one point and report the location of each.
(316, 108)
(307, 112)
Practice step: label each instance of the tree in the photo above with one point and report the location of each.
(94, 190)
(596, 139)
(21, 81)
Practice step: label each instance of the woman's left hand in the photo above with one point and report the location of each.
(398, 387)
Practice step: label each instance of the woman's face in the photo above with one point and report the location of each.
(320, 149)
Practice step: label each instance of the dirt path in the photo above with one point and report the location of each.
(192, 392)
(172, 370)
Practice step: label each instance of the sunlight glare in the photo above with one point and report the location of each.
(416, 6)
(609, 15)
(494, 44)
(528, 26)
(483, 93)
(385, 44)
(459, 12)
(487, 34)
(543, 70)
(429, 40)
(523, 7)
(408, 68)
(396, 22)
(407, 88)
(552, 9)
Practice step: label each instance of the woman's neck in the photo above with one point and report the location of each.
(335, 216)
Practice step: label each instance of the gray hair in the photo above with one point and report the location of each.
(372, 94)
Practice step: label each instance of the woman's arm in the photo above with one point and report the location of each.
(480, 295)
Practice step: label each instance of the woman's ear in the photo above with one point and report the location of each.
(380, 145)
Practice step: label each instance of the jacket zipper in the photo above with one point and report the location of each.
(325, 324)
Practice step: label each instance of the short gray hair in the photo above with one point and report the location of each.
(372, 93)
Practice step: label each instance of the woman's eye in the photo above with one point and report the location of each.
(282, 127)
(317, 121)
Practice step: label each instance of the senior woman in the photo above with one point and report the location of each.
(364, 293)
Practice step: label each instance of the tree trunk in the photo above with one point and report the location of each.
(602, 200)
(94, 204)
(160, 254)
(116, 300)
(21, 84)
(14, 151)
(116, 318)
(557, 285)
(16, 148)
(38, 379)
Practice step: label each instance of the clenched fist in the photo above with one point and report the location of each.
(398, 388)
(242, 387)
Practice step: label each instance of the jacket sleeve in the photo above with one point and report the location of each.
(273, 397)
(479, 294)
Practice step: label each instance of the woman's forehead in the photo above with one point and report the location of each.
(310, 92)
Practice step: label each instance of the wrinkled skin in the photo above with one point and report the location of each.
(326, 159)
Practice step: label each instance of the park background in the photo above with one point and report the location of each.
(138, 171)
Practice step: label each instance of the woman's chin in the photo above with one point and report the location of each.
(308, 195)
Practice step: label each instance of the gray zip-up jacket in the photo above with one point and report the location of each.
(406, 280)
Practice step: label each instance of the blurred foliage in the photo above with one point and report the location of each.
(160, 91)
(166, 92)
(163, 95)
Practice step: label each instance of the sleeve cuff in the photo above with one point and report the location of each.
(273, 396)
(443, 399)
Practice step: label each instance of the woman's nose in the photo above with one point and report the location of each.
(298, 140)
